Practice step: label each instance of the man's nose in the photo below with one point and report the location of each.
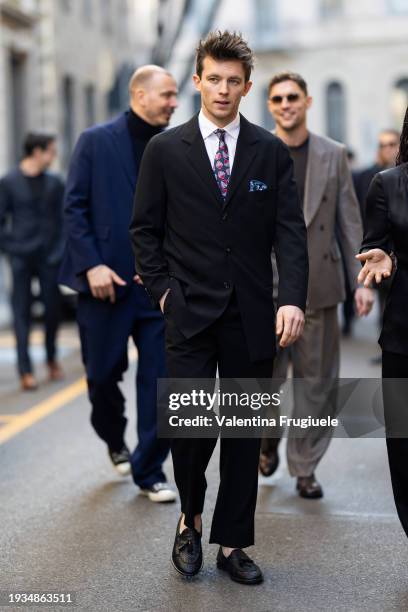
(223, 88)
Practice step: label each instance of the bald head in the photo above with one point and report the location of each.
(153, 94)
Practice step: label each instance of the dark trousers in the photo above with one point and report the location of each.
(222, 344)
(24, 269)
(395, 405)
(105, 329)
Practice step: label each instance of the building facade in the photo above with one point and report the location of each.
(65, 65)
(352, 53)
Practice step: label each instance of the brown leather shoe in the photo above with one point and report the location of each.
(309, 487)
(268, 462)
(55, 372)
(28, 382)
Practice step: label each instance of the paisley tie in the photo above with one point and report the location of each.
(221, 163)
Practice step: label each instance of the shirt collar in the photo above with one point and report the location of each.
(207, 127)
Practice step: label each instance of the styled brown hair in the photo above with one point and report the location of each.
(288, 76)
(225, 46)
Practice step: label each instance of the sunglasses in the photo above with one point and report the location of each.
(386, 145)
(292, 97)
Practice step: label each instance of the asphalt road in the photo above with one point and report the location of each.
(69, 524)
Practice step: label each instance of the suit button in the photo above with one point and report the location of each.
(227, 285)
(321, 228)
(224, 217)
(228, 250)
(325, 256)
(324, 198)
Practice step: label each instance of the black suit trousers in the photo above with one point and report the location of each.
(24, 269)
(221, 345)
(395, 399)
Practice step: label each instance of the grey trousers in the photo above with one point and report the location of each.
(315, 356)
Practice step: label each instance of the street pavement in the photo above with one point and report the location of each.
(69, 523)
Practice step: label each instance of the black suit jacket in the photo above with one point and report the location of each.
(16, 222)
(187, 238)
(362, 180)
(387, 229)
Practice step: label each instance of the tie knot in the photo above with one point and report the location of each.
(220, 133)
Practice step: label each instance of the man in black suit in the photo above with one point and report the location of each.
(387, 149)
(31, 235)
(214, 195)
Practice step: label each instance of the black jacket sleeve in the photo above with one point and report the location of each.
(290, 243)
(377, 226)
(148, 222)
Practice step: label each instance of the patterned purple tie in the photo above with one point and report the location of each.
(221, 163)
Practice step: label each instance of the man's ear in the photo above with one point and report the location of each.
(138, 96)
(309, 101)
(197, 82)
(248, 86)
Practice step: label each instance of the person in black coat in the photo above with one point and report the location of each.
(202, 236)
(384, 246)
(31, 201)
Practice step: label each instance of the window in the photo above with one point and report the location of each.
(87, 11)
(266, 16)
(68, 119)
(122, 19)
(66, 5)
(336, 111)
(106, 7)
(398, 6)
(331, 8)
(89, 92)
(268, 122)
(399, 101)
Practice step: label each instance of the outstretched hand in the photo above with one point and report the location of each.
(290, 321)
(377, 266)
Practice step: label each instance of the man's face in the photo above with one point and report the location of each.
(222, 85)
(388, 144)
(46, 156)
(288, 105)
(158, 99)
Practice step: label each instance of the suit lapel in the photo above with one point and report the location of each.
(198, 157)
(316, 178)
(244, 154)
(123, 145)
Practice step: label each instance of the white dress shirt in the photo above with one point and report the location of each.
(211, 140)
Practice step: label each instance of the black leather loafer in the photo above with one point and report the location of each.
(240, 567)
(309, 487)
(187, 555)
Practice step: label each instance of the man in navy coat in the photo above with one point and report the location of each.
(99, 264)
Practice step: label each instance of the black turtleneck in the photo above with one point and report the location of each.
(140, 133)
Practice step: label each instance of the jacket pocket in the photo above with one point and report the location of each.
(335, 252)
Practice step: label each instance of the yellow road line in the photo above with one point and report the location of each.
(43, 409)
(6, 418)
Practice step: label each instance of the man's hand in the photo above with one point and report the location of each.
(290, 321)
(163, 299)
(101, 279)
(138, 280)
(364, 300)
(377, 265)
